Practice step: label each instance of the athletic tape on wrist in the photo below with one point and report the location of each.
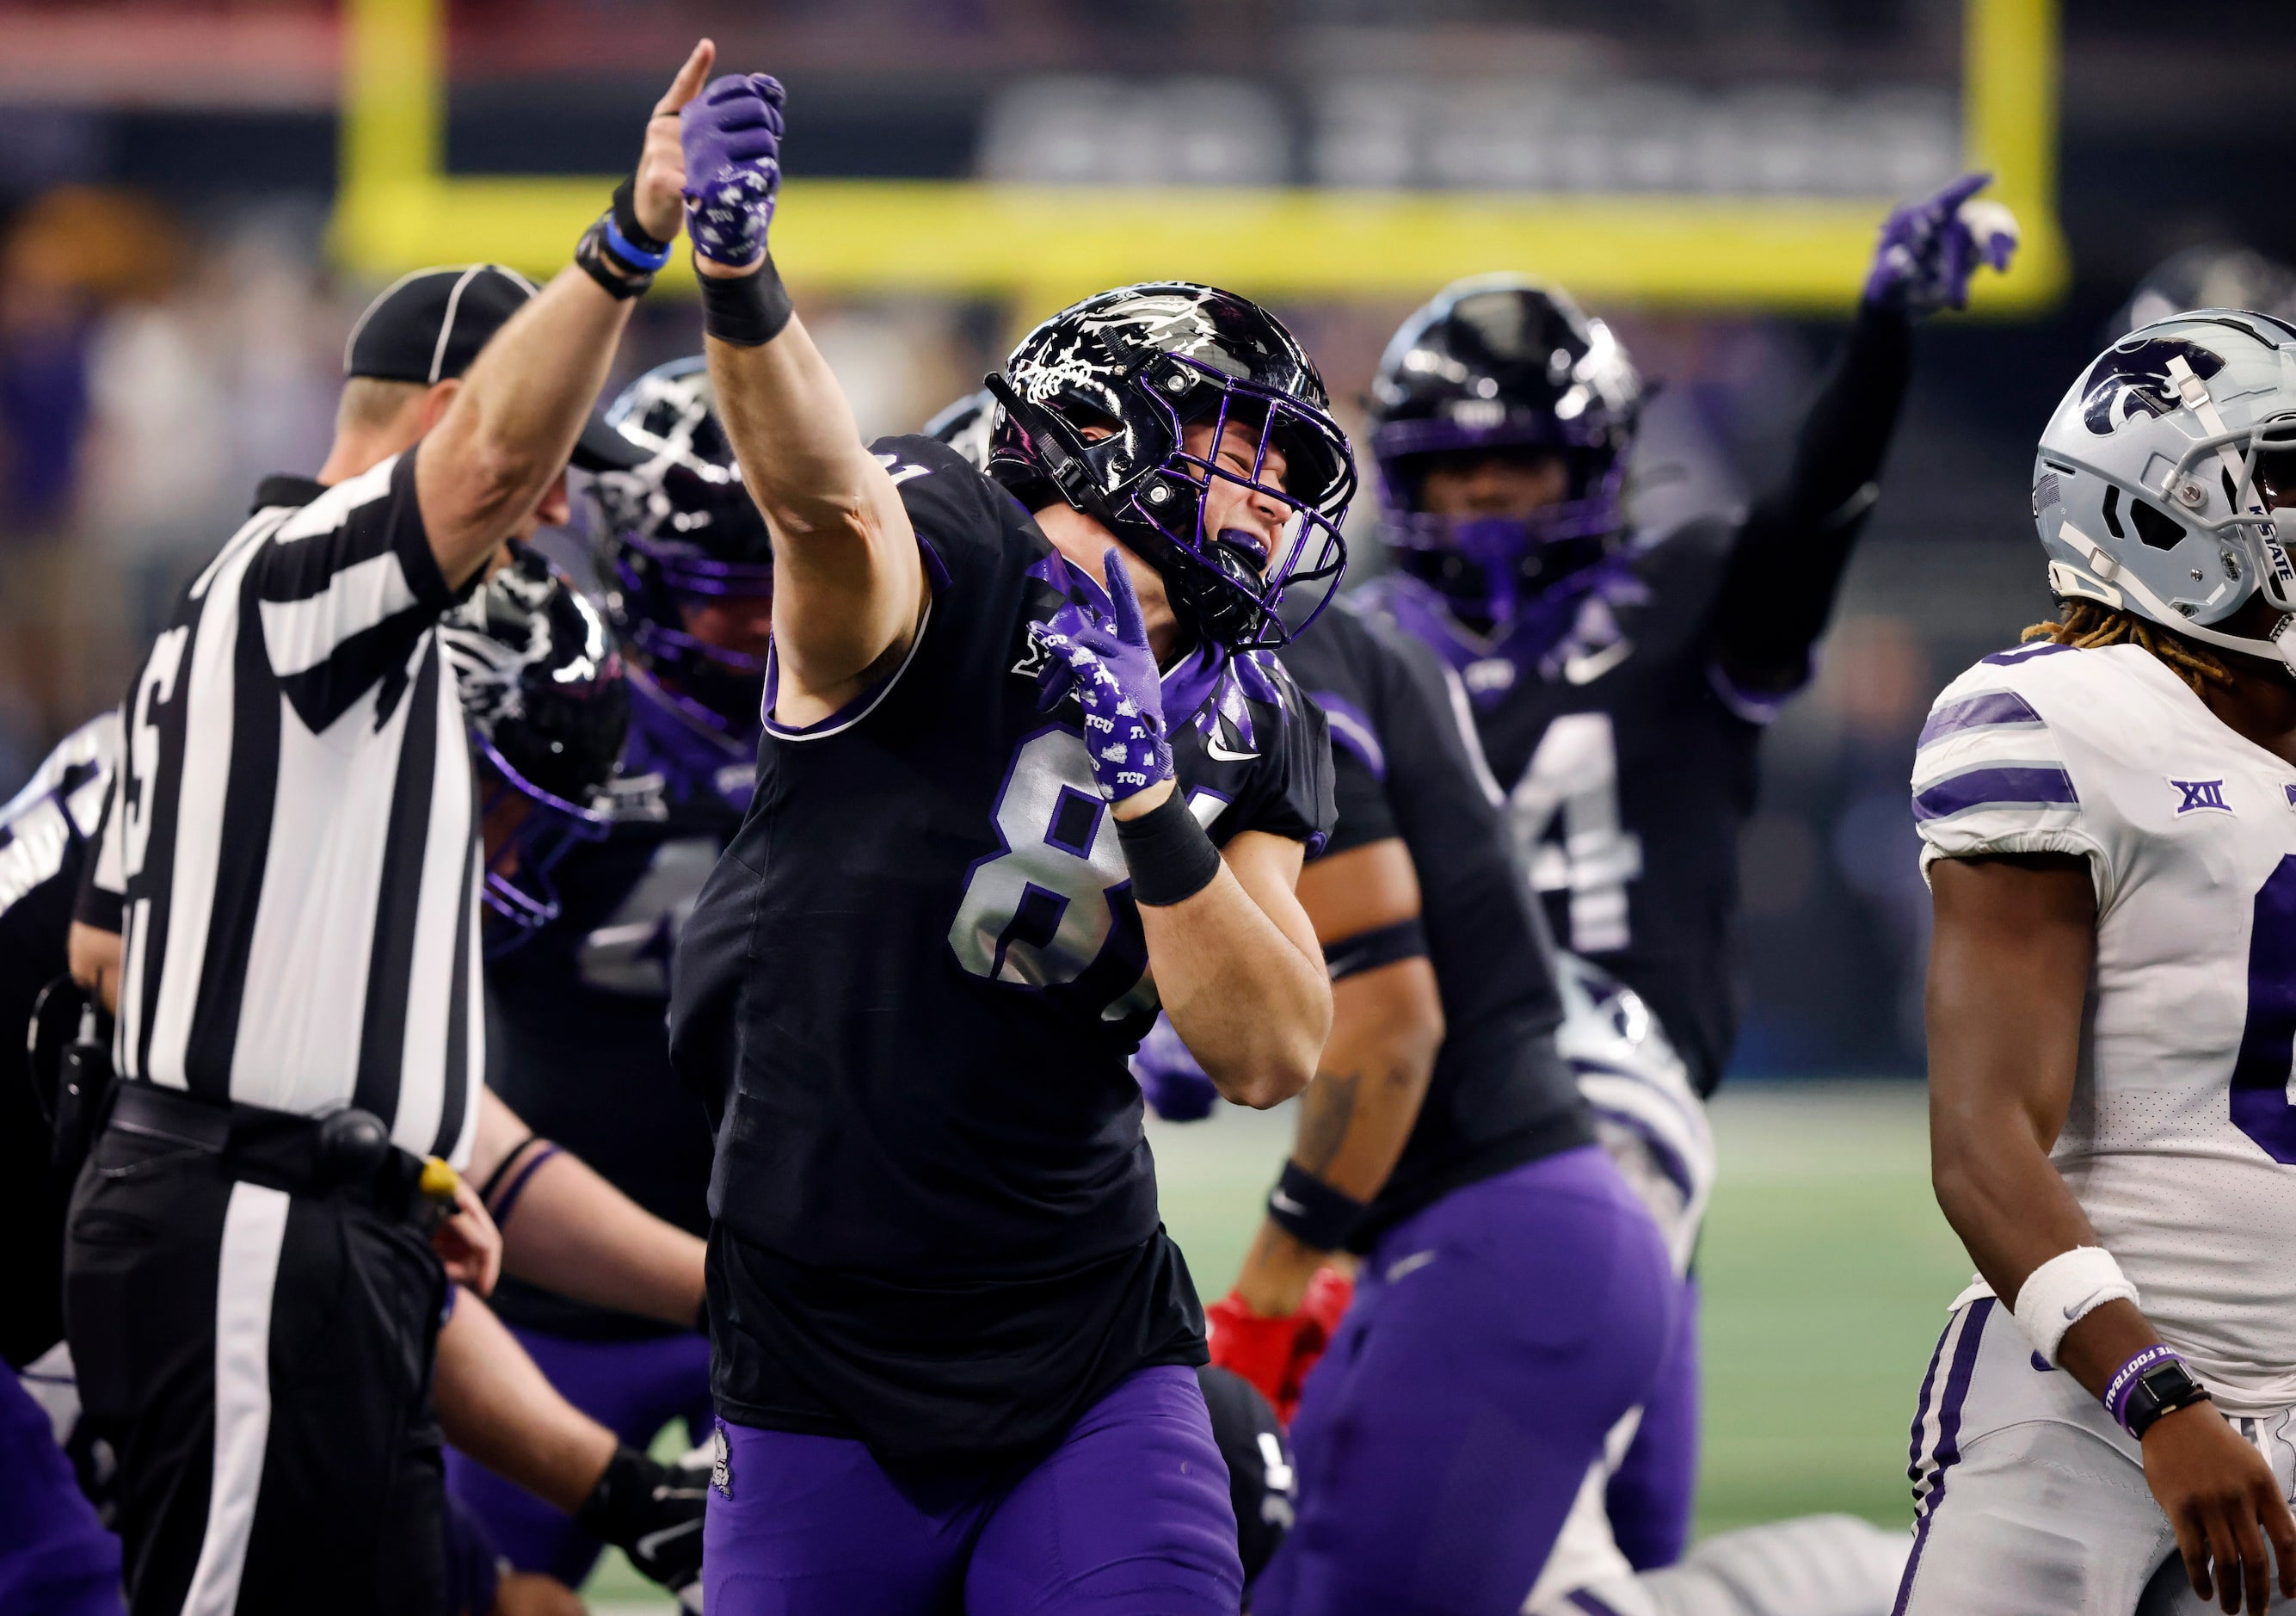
(746, 310)
(1169, 854)
(2123, 1383)
(1311, 1211)
(2065, 1290)
(1381, 946)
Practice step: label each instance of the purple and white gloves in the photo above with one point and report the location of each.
(1171, 1078)
(1930, 249)
(732, 134)
(1107, 662)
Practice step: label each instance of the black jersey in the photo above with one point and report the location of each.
(1629, 770)
(575, 1041)
(910, 990)
(45, 840)
(1622, 711)
(1405, 764)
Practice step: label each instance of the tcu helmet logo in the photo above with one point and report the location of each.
(2133, 378)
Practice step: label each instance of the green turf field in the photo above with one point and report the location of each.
(1826, 1269)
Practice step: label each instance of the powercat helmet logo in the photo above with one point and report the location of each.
(2132, 377)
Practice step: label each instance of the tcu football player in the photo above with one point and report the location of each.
(1028, 771)
(1620, 681)
(578, 983)
(2108, 818)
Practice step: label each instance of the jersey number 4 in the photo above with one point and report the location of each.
(1573, 777)
(2264, 1076)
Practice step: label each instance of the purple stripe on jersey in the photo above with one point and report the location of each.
(1948, 1453)
(1989, 709)
(2022, 786)
(1352, 728)
(2025, 653)
(1593, 1607)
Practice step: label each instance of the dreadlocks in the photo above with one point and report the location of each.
(2088, 624)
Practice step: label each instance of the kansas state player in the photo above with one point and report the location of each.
(1023, 777)
(574, 1036)
(2109, 830)
(1620, 685)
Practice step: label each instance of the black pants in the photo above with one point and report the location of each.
(261, 1363)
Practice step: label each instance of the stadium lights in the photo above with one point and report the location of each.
(1042, 246)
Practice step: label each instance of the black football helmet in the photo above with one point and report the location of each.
(1091, 410)
(679, 529)
(1500, 362)
(548, 708)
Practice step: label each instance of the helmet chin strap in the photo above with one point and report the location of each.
(2119, 584)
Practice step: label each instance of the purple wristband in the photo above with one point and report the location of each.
(2124, 1380)
(501, 1209)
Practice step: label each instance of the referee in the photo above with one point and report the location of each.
(258, 1251)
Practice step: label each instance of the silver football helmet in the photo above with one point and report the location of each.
(2153, 485)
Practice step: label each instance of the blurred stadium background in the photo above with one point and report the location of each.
(196, 196)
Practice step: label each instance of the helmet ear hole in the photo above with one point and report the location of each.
(2154, 527)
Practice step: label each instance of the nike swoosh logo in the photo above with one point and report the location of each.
(651, 1544)
(1219, 753)
(1284, 1203)
(1587, 668)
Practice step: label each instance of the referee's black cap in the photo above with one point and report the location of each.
(428, 325)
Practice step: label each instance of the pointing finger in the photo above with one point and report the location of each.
(690, 79)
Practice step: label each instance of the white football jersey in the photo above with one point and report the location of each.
(2181, 1141)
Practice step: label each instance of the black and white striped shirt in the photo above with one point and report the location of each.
(293, 834)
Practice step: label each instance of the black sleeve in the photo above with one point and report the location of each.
(1786, 566)
(1296, 802)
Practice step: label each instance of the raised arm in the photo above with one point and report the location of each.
(1786, 568)
(514, 421)
(2009, 968)
(848, 585)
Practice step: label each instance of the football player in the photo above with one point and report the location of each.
(576, 1001)
(1620, 682)
(1027, 772)
(2108, 818)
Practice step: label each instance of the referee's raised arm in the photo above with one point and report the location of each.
(522, 403)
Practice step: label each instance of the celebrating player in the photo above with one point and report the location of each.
(1021, 778)
(1620, 685)
(574, 1037)
(2107, 830)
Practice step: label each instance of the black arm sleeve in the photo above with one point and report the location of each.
(1787, 564)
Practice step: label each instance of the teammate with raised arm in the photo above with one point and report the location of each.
(2108, 820)
(1621, 682)
(1023, 777)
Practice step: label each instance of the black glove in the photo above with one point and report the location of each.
(653, 1513)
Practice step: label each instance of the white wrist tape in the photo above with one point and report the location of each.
(2065, 1290)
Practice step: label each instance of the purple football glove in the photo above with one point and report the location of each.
(732, 133)
(1930, 249)
(1107, 663)
(1175, 1085)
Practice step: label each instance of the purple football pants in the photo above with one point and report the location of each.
(1651, 1494)
(1129, 1516)
(1495, 1339)
(633, 1389)
(55, 1557)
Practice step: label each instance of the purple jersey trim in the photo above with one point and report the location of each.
(861, 706)
(1989, 710)
(1353, 731)
(2025, 653)
(2032, 786)
(1756, 706)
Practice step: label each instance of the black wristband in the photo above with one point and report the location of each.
(634, 236)
(629, 1477)
(1380, 946)
(1311, 1211)
(616, 276)
(1170, 856)
(747, 310)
